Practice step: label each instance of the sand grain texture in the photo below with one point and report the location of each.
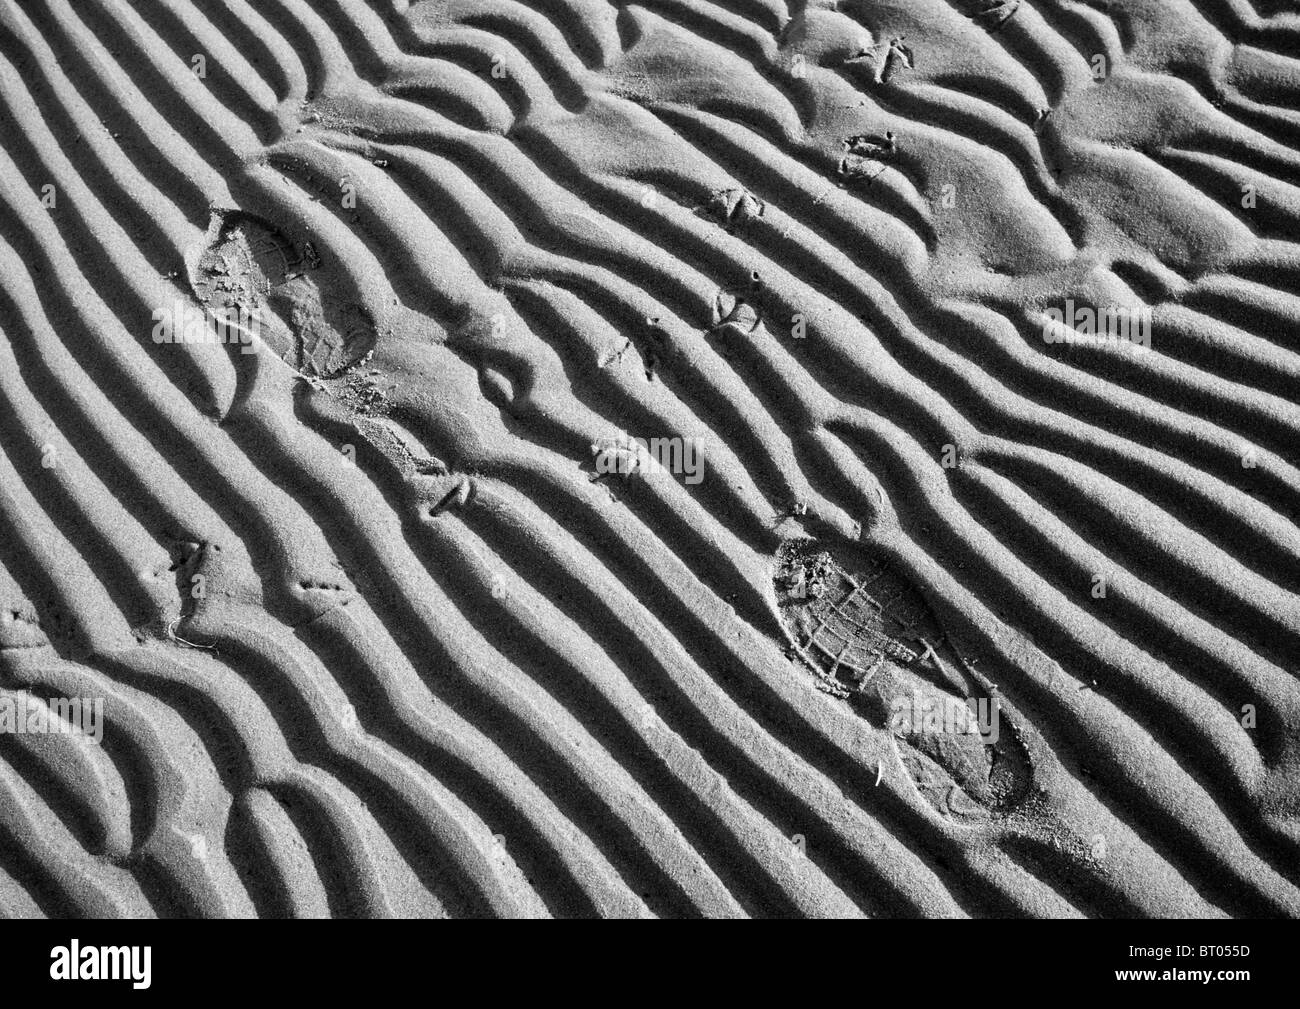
(376, 635)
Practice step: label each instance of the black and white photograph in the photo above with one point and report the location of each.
(653, 459)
